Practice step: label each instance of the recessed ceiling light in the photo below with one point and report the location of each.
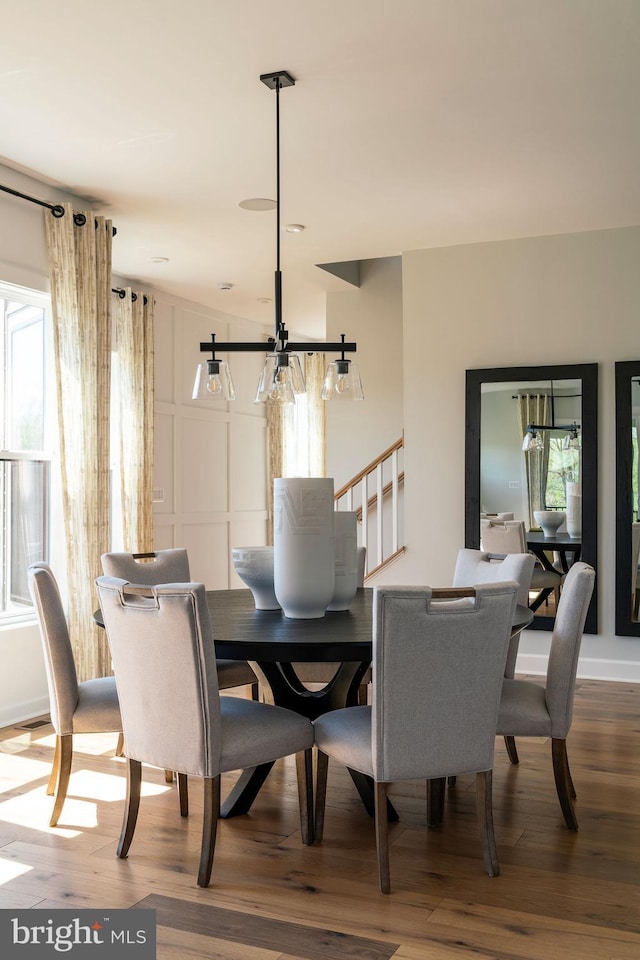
(264, 299)
(224, 285)
(258, 203)
(159, 259)
(293, 227)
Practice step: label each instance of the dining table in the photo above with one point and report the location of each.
(562, 544)
(272, 643)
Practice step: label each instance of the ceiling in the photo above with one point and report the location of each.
(412, 124)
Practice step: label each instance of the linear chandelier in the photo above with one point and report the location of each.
(282, 378)
(533, 441)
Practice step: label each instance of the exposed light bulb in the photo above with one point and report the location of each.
(214, 386)
(342, 383)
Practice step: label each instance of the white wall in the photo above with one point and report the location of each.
(372, 316)
(566, 299)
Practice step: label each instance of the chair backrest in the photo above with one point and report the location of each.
(62, 678)
(565, 646)
(475, 566)
(437, 679)
(164, 662)
(163, 566)
(503, 536)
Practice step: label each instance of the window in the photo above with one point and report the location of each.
(25, 448)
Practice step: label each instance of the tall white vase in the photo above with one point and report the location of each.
(303, 545)
(574, 510)
(346, 534)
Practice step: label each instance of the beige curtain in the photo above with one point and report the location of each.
(135, 359)
(534, 408)
(296, 434)
(80, 273)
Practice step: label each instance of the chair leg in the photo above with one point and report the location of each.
(209, 828)
(435, 801)
(64, 752)
(322, 764)
(255, 691)
(132, 805)
(120, 745)
(304, 769)
(512, 752)
(168, 776)
(484, 789)
(55, 766)
(183, 794)
(564, 783)
(382, 836)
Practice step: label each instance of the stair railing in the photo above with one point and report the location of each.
(373, 494)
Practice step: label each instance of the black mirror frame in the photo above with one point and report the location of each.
(588, 374)
(625, 370)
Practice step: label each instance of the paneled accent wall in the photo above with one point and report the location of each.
(209, 457)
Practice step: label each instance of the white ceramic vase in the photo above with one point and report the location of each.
(254, 566)
(346, 538)
(574, 510)
(303, 545)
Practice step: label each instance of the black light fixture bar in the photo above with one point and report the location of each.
(267, 346)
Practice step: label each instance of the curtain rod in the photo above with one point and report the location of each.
(57, 210)
(134, 296)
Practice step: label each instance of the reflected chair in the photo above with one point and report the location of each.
(162, 648)
(87, 707)
(437, 675)
(508, 536)
(172, 566)
(475, 566)
(530, 710)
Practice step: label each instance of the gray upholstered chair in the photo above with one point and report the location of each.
(87, 707)
(437, 675)
(530, 710)
(172, 566)
(173, 717)
(475, 566)
(508, 536)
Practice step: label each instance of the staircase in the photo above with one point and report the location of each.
(375, 494)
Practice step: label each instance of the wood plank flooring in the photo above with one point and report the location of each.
(560, 895)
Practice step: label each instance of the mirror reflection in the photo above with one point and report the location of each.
(531, 454)
(628, 499)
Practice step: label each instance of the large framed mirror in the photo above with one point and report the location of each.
(627, 499)
(557, 474)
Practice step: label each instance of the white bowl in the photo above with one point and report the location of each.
(254, 566)
(549, 520)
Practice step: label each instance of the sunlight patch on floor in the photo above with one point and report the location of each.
(10, 869)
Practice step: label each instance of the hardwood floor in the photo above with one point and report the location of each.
(560, 895)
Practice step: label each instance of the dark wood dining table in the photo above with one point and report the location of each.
(562, 544)
(272, 643)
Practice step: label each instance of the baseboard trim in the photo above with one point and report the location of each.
(21, 712)
(589, 668)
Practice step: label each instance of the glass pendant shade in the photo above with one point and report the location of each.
(531, 441)
(280, 380)
(571, 441)
(342, 381)
(213, 381)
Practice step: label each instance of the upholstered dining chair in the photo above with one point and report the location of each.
(532, 710)
(437, 675)
(475, 566)
(508, 536)
(172, 566)
(173, 716)
(90, 706)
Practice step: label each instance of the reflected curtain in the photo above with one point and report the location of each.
(296, 433)
(534, 408)
(80, 276)
(135, 359)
